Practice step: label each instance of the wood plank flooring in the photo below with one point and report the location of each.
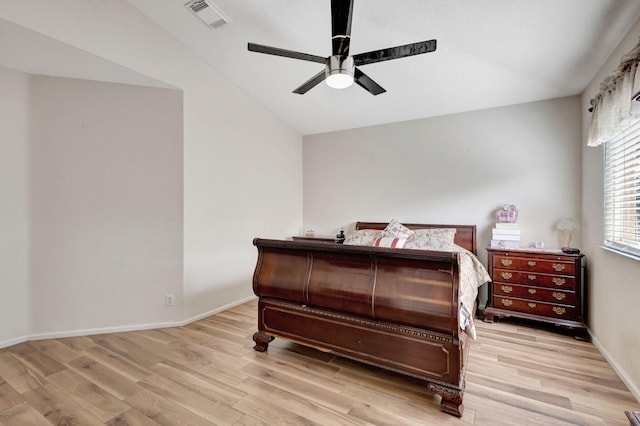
(207, 373)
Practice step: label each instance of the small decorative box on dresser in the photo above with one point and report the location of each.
(545, 286)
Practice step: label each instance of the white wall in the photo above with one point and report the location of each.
(242, 165)
(614, 279)
(14, 204)
(455, 169)
(106, 204)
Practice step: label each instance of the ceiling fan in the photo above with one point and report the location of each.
(341, 68)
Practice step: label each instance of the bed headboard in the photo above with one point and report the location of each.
(465, 234)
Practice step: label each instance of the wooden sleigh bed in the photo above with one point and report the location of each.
(394, 308)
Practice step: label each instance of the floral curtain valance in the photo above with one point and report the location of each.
(613, 108)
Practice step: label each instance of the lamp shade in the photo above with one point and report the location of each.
(567, 224)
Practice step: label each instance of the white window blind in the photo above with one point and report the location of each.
(622, 191)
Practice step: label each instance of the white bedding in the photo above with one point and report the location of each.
(472, 275)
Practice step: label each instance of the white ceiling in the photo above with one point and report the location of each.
(490, 53)
(34, 53)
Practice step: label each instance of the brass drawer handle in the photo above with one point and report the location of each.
(532, 305)
(507, 302)
(558, 310)
(506, 289)
(506, 262)
(531, 263)
(532, 291)
(559, 296)
(506, 275)
(559, 281)
(531, 277)
(559, 267)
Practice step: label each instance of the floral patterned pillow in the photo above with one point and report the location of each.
(362, 237)
(396, 230)
(431, 239)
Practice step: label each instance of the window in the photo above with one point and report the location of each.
(622, 191)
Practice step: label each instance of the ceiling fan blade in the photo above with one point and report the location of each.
(367, 83)
(394, 52)
(341, 13)
(286, 53)
(311, 83)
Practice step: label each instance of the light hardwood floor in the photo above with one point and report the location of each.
(207, 373)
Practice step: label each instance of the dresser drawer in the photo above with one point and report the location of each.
(535, 293)
(537, 265)
(534, 279)
(535, 308)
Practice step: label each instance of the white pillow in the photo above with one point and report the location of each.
(432, 239)
(396, 230)
(390, 242)
(362, 237)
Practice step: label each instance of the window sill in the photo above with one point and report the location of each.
(621, 252)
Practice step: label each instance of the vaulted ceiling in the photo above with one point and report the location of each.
(490, 53)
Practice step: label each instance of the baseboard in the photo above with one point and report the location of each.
(102, 330)
(14, 341)
(633, 388)
(120, 329)
(218, 310)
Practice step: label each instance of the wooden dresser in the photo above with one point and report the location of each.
(542, 286)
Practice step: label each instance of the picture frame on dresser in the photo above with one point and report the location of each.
(544, 286)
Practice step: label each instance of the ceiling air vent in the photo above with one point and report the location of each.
(208, 13)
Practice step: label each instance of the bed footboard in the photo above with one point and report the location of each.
(427, 356)
(392, 308)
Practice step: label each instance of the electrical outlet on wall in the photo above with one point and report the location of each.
(169, 300)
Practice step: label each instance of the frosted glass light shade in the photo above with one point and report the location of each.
(339, 81)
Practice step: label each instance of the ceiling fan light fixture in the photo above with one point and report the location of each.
(339, 72)
(340, 69)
